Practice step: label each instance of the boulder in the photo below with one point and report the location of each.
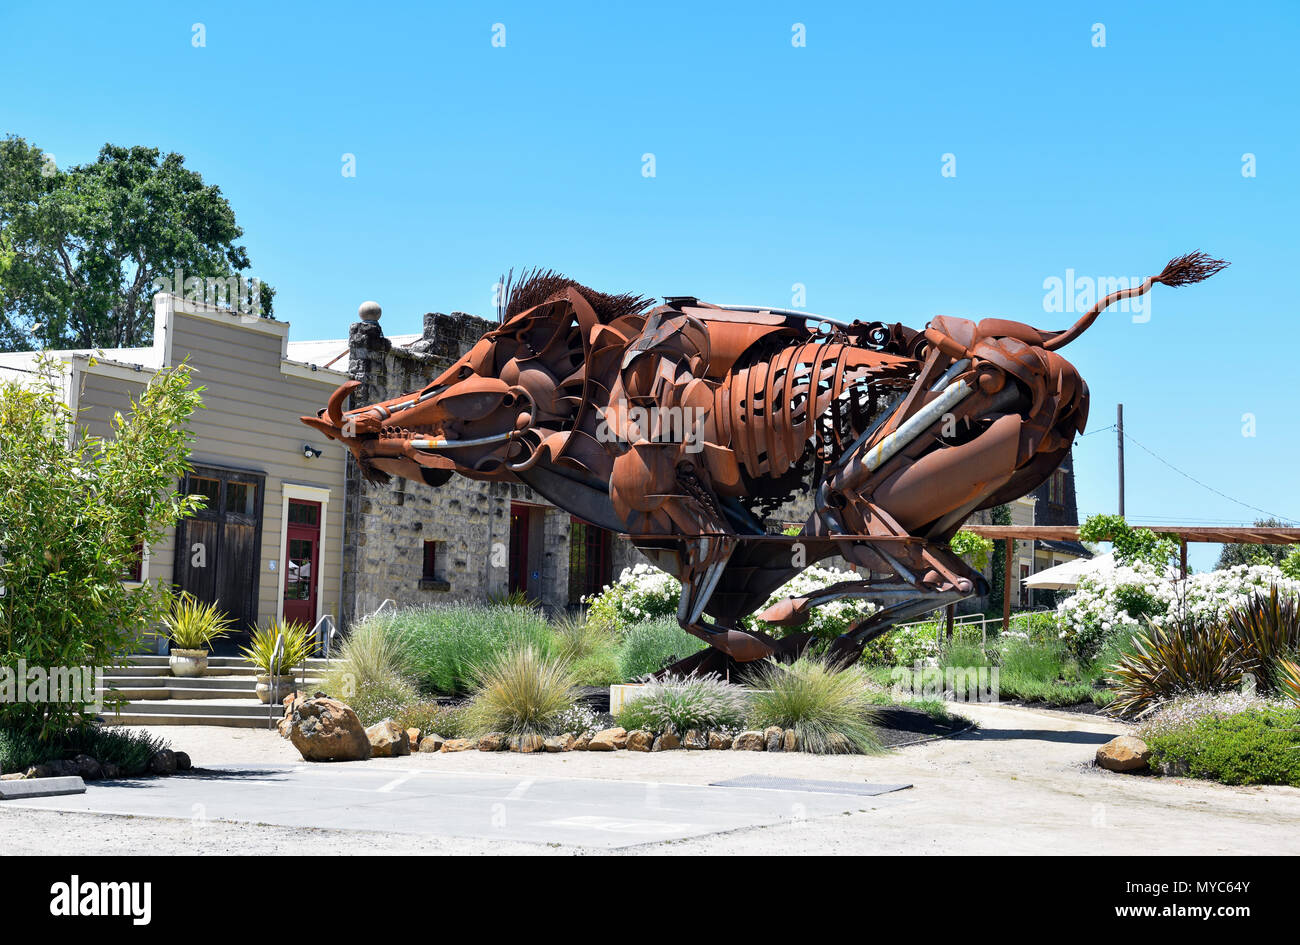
(325, 729)
(749, 741)
(640, 740)
(88, 769)
(163, 763)
(413, 738)
(111, 771)
(609, 739)
(695, 740)
(719, 741)
(559, 743)
(431, 742)
(493, 741)
(1125, 753)
(459, 744)
(290, 702)
(183, 762)
(388, 740)
(667, 742)
(774, 737)
(39, 771)
(527, 744)
(791, 740)
(582, 741)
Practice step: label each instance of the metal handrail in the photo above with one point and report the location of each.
(277, 655)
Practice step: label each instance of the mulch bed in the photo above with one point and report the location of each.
(902, 725)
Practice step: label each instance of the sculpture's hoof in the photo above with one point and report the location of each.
(790, 612)
(740, 646)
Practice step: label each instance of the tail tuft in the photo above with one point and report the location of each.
(1189, 269)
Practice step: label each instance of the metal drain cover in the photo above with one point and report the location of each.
(800, 784)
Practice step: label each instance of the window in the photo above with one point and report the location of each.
(589, 560)
(209, 489)
(134, 571)
(430, 572)
(304, 513)
(241, 498)
(430, 578)
(1056, 488)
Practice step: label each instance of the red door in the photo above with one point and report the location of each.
(302, 562)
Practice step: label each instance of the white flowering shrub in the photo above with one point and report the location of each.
(645, 593)
(1117, 601)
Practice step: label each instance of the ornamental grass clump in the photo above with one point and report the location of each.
(369, 673)
(590, 649)
(680, 703)
(521, 691)
(654, 645)
(443, 645)
(828, 705)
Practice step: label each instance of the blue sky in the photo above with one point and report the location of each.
(774, 165)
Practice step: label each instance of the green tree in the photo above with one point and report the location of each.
(74, 511)
(1130, 544)
(1232, 555)
(83, 250)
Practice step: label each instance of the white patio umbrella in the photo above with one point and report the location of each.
(1068, 575)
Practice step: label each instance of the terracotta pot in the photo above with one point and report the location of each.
(274, 688)
(188, 663)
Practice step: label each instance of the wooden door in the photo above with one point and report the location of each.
(302, 561)
(218, 549)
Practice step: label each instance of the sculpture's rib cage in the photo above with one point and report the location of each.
(819, 395)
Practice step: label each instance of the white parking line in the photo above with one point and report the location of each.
(395, 783)
(521, 789)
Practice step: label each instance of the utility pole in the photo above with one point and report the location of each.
(1119, 436)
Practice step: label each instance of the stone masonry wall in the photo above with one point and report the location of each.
(387, 525)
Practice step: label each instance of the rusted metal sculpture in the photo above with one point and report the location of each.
(686, 425)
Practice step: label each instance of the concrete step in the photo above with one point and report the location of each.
(196, 707)
(217, 666)
(152, 720)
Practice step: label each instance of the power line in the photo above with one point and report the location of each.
(1224, 495)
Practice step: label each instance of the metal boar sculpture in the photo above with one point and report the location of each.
(686, 425)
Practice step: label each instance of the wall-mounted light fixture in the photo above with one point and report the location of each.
(309, 451)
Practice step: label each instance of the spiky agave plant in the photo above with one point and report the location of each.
(1288, 675)
(827, 704)
(191, 624)
(520, 691)
(1267, 627)
(299, 644)
(1176, 658)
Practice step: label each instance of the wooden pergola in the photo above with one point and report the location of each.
(1183, 534)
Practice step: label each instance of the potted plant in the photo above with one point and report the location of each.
(273, 682)
(190, 626)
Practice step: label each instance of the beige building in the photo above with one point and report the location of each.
(268, 544)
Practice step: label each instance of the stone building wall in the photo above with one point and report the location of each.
(387, 525)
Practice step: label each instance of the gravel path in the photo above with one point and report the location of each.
(1021, 783)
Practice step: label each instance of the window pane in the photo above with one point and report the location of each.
(297, 575)
(210, 489)
(304, 513)
(241, 498)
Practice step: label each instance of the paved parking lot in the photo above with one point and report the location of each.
(405, 799)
